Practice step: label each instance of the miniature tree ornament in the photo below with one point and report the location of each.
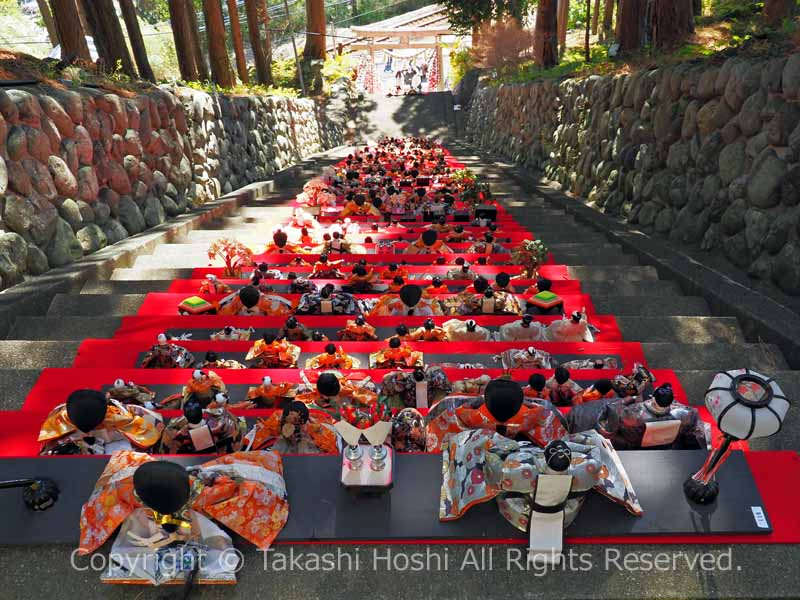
(746, 405)
(234, 254)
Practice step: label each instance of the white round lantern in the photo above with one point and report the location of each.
(746, 405)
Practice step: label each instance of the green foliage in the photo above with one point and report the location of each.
(284, 73)
(241, 90)
(10, 8)
(733, 9)
(337, 67)
(466, 15)
(461, 62)
(573, 63)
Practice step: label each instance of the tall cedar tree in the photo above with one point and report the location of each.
(183, 40)
(545, 38)
(316, 42)
(630, 25)
(221, 72)
(108, 37)
(775, 11)
(197, 47)
(137, 43)
(672, 22)
(71, 34)
(49, 23)
(238, 44)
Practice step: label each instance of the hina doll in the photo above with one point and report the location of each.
(301, 285)
(295, 431)
(262, 271)
(536, 389)
(167, 534)
(396, 285)
(203, 387)
(294, 331)
(523, 330)
(325, 268)
(408, 431)
(267, 394)
(333, 358)
(428, 243)
(88, 423)
(130, 393)
(402, 388)
(573, 329)
(436, 287)
(397, 355)
(337, 243)
(429, 332)
(441, 226)
(501, 410)
(357, 330)
(655, 423)
(471, 386)
(359, 207)
(466, 331)
(249, 302)
(280, 244)
(457, 236)
(408, 302)
(582, 364)
(401, 332)
(561, 388)
(479, 466)
(203, 431)
(484, 301)
(602, 389)
(328, 302)
(361, 280)
(525, 358)
(502, 283)
(638, 383)
(463, 272)
(340, 398)
(212, 285)
(394, 270)
(487, 246)
(232, 334)
(164, 355)
(272, 353)
(213, 361)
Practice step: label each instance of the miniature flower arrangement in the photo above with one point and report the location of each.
(530, 254)
(235, 255)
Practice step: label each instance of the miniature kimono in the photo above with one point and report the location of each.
(164, 355)
(333, 358)
(410, 301)
(280, 245)
(88, 423)
(428, 243)
(401, 388)
(357, 330)
(272, 353)
(397, 355)
(212, 285)
(200, 431)
(511, 416)
(266, 395)
(471, 386)
(479, 466)
(525, 358)
(130, 393)
(561, 388)
(580, 364)
(658, 422)
(524, 330)
(466, 331)
(250, 302)
(342, 399)
(325, 268)
(213, 361)
(408, 431)
(463, 273)
(484, 302)
(429, 332)
(294, 331)
(361, 280)
(295, 431)
(203, 387)
(165, 512)
(328, 302)
(232, 334)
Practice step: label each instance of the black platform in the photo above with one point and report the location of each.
(321, 510)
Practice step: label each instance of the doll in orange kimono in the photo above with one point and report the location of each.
(272, 353)
(203, 386)
(428, 243)
(212, 285)
(501, 410)
(561, 388)
(429, 332)
(88, 423)
(294, 331)
(394, 270)
(266, 395)
(536, 389)
(359, 207)
(165, 513)
(280, 245)
(397, 355)
(325, 268)
(602, 389)
(249, 302)
(295, 430)
(340, 398)
(357, 330)
(410, 301)
(437, 287)
(333, 358)
(361, 280)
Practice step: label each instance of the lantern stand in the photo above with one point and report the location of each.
(38, 494)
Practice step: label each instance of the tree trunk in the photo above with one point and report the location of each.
(47, 18)
(630, 25)
(587, 46)
(137, 43)
(220, 63)
(108, 37)
(596, 17)
(315, 25)
(775, 11)
(698, 7)
(673, 21)
(563, 23)
(71, 34)
(238, 44)
(183, 40)
(266, 38)
(263, 72)
(545, 37)
(608, 19)
(197, 47)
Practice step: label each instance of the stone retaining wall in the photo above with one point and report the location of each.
(704, 153)
(83, 168)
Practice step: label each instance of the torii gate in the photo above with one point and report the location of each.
(406, 36)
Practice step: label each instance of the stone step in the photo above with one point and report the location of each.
(650, 306)
(88, 305)
(154, 274)
(23, 355)
(589, 258)
(657, 288)
(126, 287)
(64, 328)
(17, 383)
(681, 330)
(609, 274)
(707, 357)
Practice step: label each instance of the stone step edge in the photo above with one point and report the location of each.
(762, 318)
